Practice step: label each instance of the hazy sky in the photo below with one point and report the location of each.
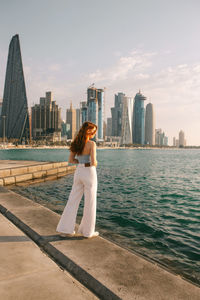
(123, 45)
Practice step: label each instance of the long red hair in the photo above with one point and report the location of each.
(79, 142)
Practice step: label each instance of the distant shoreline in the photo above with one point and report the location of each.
(9, 147)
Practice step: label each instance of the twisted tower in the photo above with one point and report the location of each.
(14, 116)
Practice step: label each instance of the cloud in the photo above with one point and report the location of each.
(135, 63)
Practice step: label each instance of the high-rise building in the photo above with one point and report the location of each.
(46, 117)
(14, 116)
(149, 125)
(127, 120)
(83, 112)
(71, 121)
(139, 119)
(116, 113)
(104, 129)
(92, 104)
(109, 127)
(160, 138)
(63, 129)
(95, 109)
(78, 119)
(181, 138)
(174, 141)
(100, 97)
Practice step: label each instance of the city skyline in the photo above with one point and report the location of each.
(77, 49)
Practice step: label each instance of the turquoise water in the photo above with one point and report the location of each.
(148, 201)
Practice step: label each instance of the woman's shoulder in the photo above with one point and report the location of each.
(91, 143)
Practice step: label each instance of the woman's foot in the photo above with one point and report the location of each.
(67, 234)
(96, 233)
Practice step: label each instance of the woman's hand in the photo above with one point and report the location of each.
(75, 161)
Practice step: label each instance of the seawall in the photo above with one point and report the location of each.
(14, 172)
(104, 268)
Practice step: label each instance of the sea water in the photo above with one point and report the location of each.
(148, 201)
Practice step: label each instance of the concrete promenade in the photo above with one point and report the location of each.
(16, 171)
(33, 256)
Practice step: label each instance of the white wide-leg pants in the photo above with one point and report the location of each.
(85, 182)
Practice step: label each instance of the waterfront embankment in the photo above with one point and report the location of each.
(17, 172)
(104, 268)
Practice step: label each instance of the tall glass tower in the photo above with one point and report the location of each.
(15, 123)
(95, 105)
(116, 112)
(127, 120)
(149, 125)
(139, 119)
(84, 112)
(100, 97)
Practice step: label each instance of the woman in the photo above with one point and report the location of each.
(83, 153)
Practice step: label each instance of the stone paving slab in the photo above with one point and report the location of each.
(98, 263)
(27, 273)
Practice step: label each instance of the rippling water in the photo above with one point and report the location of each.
(148, 201)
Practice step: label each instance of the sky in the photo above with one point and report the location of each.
(122, 45)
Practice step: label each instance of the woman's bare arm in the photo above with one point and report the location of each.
(72, 159)
(93, 154)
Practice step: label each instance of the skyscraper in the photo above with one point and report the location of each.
(149, 125)
(100, 97)
(174, 141)
(160, 138)
(109, 127)
(83, 113)
(15, 117)
(78, 117)
(71, 121)
(127, 120)
(181, 138)
(116, 113)
(95, 106)
(46, 117)
(139, 119)
(92, 104)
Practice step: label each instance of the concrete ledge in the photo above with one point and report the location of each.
(25, 171)
(52, 171)
(47, 166)
(57, 164)
(104, 267)
(9, 180)
(18, 171)
(62, 169)
(64, 164)
(39, 174)
(51, 177)
(34, 169)
(5, 173)
(24, 177)
(80, 274)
